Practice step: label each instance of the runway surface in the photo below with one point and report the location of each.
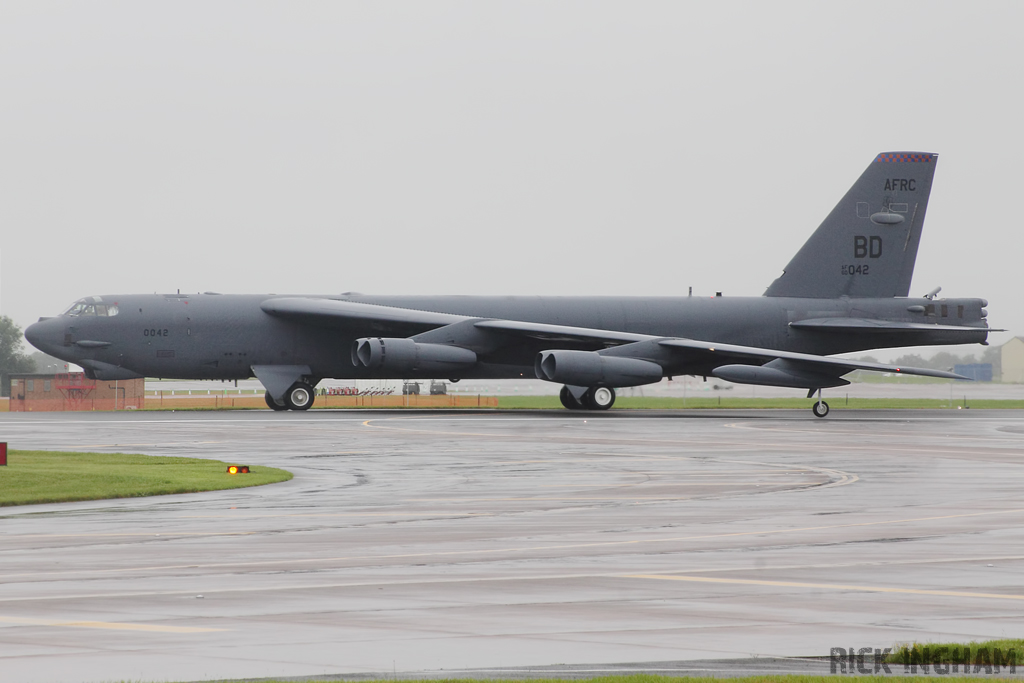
(419, 541)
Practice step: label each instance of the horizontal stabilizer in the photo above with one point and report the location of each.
(869, 325)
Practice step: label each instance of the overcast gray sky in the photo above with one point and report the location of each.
(492, 147)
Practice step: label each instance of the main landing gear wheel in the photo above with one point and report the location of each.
(273, 404)
(820, 409)
(300, 396)
(599, 398)
(568, 400)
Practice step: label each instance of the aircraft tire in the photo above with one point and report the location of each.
(300, 396)
(599, 398)
(820, 409)
(273, 404)
(568, 400)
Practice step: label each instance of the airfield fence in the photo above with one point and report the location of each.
(168, 401)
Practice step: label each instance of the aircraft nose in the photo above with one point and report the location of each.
(41, 334)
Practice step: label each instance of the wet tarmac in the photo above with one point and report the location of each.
(437, 543)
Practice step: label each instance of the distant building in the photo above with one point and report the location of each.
(1011, 355)
(979, 372)
(74, 391)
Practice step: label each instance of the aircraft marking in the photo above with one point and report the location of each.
(867, 246)
(901, 185)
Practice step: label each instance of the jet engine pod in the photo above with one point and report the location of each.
(777, 373)
(405, 356)
(591, 369)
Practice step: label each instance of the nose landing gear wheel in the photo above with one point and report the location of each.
(568, 400)
(599, 398)
(299, 397)
(272, 404)
(820, 409)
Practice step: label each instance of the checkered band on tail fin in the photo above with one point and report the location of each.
(901, 157)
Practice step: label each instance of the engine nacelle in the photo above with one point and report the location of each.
(777, 374)
(591, 369)
(406, 356)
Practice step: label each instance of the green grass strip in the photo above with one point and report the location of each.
(57, 477)
(710, 402)
(960, 653)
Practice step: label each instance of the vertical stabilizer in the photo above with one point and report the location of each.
(868, 244)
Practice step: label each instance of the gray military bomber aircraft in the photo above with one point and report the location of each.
(845, 290)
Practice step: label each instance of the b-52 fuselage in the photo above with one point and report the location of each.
(845, 290)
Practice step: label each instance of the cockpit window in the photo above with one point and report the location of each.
(76, 309)
(85, 308)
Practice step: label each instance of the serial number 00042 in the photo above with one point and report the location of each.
(855, 270)
(156, 333)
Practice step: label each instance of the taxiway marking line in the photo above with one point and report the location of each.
(109, 625)
(333, 418)
(548, 499)
(542, 577)
(135, 534)
(856, 433)
(507, 551)
(411, 516)
(659, 482)
(826, 586)
(613, 438)
(154, 445)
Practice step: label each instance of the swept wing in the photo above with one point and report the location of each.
(338, 313)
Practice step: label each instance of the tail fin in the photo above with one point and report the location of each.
(868, 244)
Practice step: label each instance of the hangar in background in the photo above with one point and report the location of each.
(73, 391)
(1011, 357)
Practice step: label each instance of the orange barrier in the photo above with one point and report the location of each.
(414, 401)
(216, 402)
(213, 402)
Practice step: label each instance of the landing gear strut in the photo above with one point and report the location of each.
(820, 408)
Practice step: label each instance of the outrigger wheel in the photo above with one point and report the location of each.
(272, 403)
(300, 396)
(820, 408)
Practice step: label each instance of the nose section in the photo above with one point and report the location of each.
(32, 334)
(44, 335)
